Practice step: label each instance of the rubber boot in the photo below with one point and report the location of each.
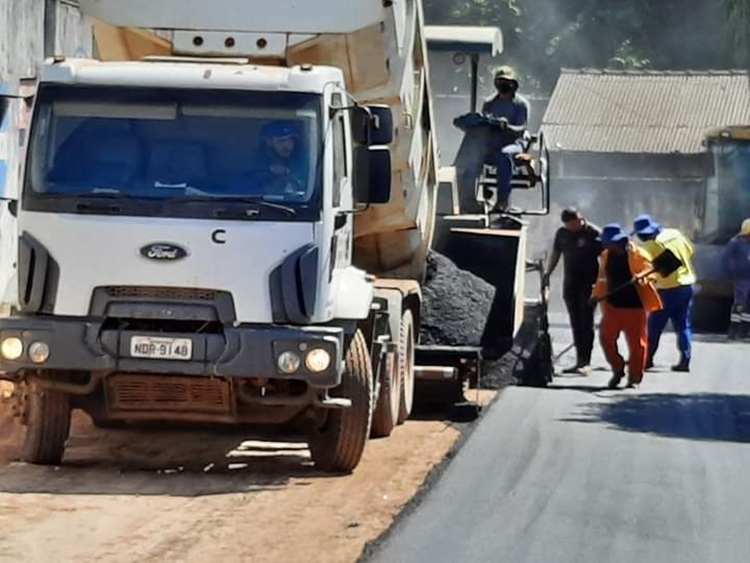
(734, 331)
(649, 363)
(615, 380)
(682, 366)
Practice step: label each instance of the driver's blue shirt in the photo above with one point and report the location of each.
(515, 110)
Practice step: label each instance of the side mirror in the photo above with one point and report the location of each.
(381, 131)
(372, 175)
(372, 125)
(360, 124)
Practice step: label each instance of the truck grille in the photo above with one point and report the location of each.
(154, 292)
(166, 393)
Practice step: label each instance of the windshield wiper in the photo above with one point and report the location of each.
(257, 200)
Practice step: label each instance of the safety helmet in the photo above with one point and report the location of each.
(506, 73)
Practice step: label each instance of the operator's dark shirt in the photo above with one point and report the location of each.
(580, 251)
(618, 273)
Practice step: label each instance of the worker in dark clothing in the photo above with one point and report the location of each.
(736, 262)
(625, 310)
(577, 241)
(505, 108)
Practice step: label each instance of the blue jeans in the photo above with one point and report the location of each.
(504, 160)
(678, 305)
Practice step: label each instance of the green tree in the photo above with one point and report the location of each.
(541, 36)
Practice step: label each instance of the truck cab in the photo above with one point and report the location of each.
(184, 236)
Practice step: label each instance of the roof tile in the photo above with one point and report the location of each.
(643, 111)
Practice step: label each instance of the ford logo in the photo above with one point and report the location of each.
(163, 252)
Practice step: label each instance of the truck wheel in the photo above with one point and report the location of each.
(406, 366)
(385, 417)
(338, 444)
(47, 426)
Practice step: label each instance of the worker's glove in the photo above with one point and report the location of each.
(500, 122)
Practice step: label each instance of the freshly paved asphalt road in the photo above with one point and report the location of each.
(580, 474)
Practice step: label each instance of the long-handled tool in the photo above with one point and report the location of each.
(665, 264)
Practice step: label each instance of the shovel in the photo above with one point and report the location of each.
(665, 264)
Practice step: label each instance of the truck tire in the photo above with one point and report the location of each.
(385, 417)
(338, 444)
(47, 426)
(406, 366)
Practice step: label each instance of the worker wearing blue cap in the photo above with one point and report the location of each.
(278, 167)
(676, 290)
(625, 310)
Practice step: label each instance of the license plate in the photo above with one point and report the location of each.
(159, 348)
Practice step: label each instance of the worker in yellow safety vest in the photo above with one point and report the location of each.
(676, 290)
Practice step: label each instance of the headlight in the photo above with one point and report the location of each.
(317, 360)
(39, 352)
(288, 362)
(11, 348)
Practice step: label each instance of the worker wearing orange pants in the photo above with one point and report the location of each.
(627, 309)
(633, 322)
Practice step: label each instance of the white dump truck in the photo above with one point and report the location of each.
(225, 218)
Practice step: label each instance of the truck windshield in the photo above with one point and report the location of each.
(183, 149)
(728, 191)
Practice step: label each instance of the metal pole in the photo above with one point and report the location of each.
(474, 81)
(50, 28)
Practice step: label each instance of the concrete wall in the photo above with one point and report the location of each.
(611, 187)
(32, 29)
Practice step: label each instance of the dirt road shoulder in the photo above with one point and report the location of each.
(139, 495)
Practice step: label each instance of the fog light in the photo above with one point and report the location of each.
(39, 352)
(11, 348)
(317, 360)
(288, 362)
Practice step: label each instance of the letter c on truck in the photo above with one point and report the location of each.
(218, 236)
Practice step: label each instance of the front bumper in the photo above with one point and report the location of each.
(83, 344)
